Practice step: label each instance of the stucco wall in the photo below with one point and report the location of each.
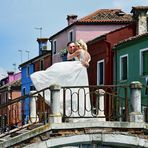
(85, 32)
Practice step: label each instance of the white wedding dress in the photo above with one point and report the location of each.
(69, 73)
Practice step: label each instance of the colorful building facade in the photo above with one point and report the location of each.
(41, 62)
(10, 89)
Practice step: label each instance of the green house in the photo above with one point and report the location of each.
(131, 63)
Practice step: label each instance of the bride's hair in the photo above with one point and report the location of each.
(82, 44)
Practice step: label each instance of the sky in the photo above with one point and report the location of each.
(20, 21)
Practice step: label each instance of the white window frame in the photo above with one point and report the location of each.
(69, 36)
(54, 45)
(98, 71)
(141, 59)
(126, 55)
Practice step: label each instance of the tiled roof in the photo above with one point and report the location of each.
(107, 16)
(101, 16)
(131, 39)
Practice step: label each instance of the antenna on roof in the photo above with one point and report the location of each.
(40, 28)
(14, 67)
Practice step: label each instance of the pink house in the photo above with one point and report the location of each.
(87, 28)
(13, 76)
(10, 78)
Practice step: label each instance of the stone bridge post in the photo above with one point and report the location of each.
(55, 116)
(136, 115)
(33, 113)
(100, 105)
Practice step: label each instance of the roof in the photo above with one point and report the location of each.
(107, 16)
(36, 58)
(16, 83)
(42, 40)
(101, 16)
(130, 39)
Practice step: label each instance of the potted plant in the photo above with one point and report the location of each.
(63, 54)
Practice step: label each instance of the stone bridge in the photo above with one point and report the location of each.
(82, 134)
(94, 131)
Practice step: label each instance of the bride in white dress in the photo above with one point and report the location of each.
(69, 73)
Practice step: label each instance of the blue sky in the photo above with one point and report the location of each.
(19, 18)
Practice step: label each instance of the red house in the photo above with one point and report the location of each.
(100, 71)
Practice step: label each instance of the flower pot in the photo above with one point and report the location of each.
(64, 57)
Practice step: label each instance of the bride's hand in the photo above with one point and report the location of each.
(85, 64)
(77, 52)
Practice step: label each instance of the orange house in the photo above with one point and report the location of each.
(10, 116)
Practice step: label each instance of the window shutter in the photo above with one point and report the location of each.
(145, 62)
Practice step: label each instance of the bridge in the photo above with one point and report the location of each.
(114, 118)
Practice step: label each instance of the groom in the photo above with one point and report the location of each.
(72, 51)
(71, 48)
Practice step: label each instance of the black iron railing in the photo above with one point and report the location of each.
(109, 103)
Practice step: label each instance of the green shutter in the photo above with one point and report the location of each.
(145, 62)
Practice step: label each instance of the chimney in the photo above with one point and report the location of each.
(42, 45)
(10, 76)
(71, 19)
(140, 16)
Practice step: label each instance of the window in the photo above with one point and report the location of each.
(27, 70)
(70, 36)
(54, 46)
(123, 67)
(24, 91)
(44, 46)
(144, 62)
(6, 97)
(100, 72)
(42, 64)
(32, 88)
